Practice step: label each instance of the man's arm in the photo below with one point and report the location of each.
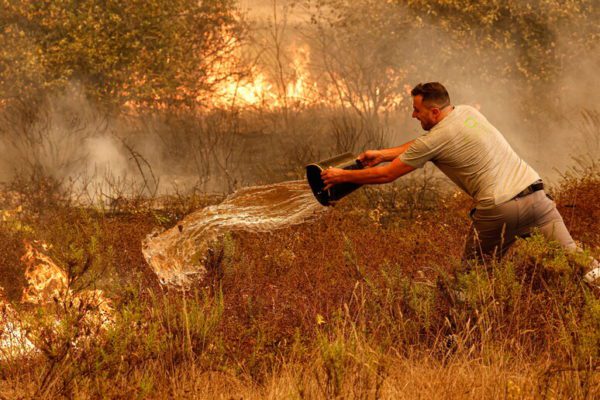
(370, 158)
(384, 174)
(393, 152)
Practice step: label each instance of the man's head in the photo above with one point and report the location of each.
(430, 101)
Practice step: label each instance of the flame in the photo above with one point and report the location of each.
(46, 280)
(294, 84)
(47, 284)
(286, 80)
(295, 87)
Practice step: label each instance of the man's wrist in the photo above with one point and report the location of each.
(345, 176)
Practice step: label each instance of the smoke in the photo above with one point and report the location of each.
(67, 138)
(105, 163)
(500, 72)
(533, 91)
(106, 155)
(49, 135)
(578, 97)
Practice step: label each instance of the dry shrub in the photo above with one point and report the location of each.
(347, 306)
(577, 200)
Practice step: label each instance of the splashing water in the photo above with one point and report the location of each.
(177, 255)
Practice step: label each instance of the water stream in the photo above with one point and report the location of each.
(177, 255)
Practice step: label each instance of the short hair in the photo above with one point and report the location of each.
(434, 94)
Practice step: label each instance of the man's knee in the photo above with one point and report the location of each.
(557, 231)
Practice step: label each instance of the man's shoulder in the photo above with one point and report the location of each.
(464, 111)
(454, 122)
(467, 117)
(466, 108)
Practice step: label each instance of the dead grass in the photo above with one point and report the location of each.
(364, 303)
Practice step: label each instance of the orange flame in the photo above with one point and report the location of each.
(296, 83)
(47, 283)
(46, 280)
(294, 87)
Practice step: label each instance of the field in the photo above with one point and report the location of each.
(369, 301)
(119, 119)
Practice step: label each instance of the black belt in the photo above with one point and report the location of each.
(534, 187)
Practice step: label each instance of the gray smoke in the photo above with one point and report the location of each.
(106, 156)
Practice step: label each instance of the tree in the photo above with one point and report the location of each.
(358, 46)
(371, 49)
(532, 42)
(140, 51)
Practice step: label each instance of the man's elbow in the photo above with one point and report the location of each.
(397, 170)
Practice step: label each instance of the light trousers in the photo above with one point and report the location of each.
(495, 229)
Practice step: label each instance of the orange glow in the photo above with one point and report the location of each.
(47, 284)
(46, 280)
(291, 85)
(285, 81)
(295, 86)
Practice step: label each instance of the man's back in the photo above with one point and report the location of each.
(474, 155)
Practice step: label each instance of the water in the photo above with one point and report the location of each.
(177, 255)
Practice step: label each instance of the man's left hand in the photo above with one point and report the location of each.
(332, 176)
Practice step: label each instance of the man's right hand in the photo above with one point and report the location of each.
(371, 158)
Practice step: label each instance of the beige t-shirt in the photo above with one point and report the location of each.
(474, 155)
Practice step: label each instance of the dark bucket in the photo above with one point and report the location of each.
(336, 192)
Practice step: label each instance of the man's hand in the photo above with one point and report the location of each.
(371, 158)
(332, 176)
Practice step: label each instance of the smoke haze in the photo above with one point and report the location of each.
(70, 138)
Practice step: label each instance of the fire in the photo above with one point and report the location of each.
(47, 284)
(295, 84)
(288, 77)
(293, 87)
(46, 280)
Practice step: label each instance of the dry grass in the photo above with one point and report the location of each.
(364, 303)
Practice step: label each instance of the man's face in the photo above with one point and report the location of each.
(427, 116)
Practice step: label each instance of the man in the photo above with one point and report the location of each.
(461, 142)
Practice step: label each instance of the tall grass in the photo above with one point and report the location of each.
(349, 306)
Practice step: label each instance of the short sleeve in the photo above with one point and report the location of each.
(418, 153)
